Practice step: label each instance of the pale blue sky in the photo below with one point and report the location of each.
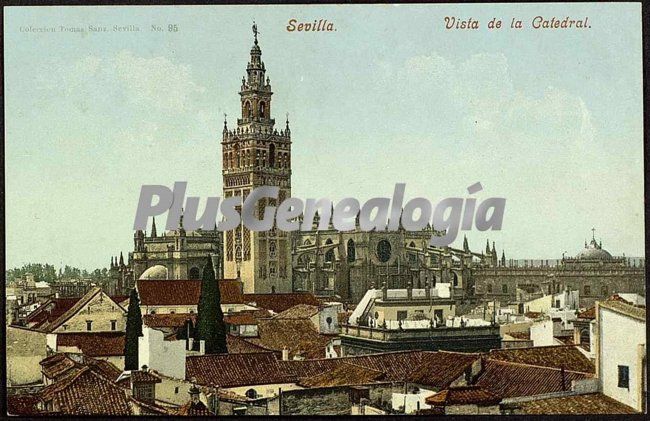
(551, 120)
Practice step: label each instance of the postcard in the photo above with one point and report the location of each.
(343, 209)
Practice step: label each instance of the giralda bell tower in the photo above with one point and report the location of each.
(257, 154)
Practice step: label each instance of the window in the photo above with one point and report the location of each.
(587, 290)
(65, 327)
(272, 155)
(624, 376)
(603, 290)
(251, 393)
(113, 324)
(437, 315)
(489, 288)
(352, 253)
(402, 315)
(557, 303)
(152, 312)
(176, 390)
(383, 251)
(89, 325)
(504, 288)
(329, 254)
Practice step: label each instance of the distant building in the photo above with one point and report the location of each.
(413, 318)
(594, 272)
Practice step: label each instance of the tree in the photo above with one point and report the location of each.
(210, 326)
(133, 332)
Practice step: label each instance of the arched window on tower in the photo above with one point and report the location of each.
(352, 252)
(247, 109)
(272, 155)
(263, 109)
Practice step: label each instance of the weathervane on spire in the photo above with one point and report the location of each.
(255, 31)
(593, 233)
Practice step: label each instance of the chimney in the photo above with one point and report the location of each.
(190, 344)
(285, 354)
(202, 347)
(194, 394)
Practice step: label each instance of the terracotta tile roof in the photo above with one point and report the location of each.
(298, 336)
(396, 366)
(231, 291)
(87, 392)
(169, 292)
(139, 376)
(93, 344)
(168, 320)
(57, 365)
(241, 318)
(623, 307)
(344, 374)
(520, 335)
(511, 380)
(107, 369)
(24, 404)
(119, 299)
(440, 369)
(589, 313)
(594, 403)
(300, 311)
(185, 292)
(464, 395)
(231, 370)
(50, 310)
(76, 308)
(566, 340)
(568, 357)
(237, 345)
(280, 302)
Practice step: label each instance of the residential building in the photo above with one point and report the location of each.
(621, 352)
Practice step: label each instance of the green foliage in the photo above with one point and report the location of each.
(210, 325)
(133, 332)
(44, 272)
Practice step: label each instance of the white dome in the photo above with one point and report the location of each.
(156, 272)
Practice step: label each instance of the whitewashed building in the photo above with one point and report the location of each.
(621, 364)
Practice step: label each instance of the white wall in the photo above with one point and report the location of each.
(619, 337)
(409, 401)
(541, 333)
(166, 357)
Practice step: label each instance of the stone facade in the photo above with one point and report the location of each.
(257, 154)
(182, 253)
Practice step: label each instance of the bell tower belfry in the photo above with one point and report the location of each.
(256, 154)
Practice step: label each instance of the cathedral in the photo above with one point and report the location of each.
(329, 263)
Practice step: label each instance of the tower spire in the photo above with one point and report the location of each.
(153, 228)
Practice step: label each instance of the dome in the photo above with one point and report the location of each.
(156, 272)
(594, 251)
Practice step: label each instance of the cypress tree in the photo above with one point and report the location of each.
(210, 325)
(133, 332)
